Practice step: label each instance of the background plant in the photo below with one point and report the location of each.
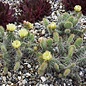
(70, 4)
(34, 10)
(6, 14)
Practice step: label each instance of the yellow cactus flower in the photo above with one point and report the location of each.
(28, 24)
(11, 27)
(47, 56)
(23, 33)
(77, 8)
(52, 26)
(35, 48)
(16, 44)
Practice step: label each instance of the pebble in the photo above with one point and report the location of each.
(0, 64)
(9, 74)
(4, 78)
(3, 85)
(81, 73)
(43, 84)
(29, 66)
(43, 78)
(19, 77)
(24, 82)
(43, 32)
(27, 74)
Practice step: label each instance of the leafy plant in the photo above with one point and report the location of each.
(34, 10)
(70, 4)
(6, 14)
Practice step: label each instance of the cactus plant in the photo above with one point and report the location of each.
(66, 58)
(46, 44)
(65, 24)
(66, 72)
(12, 45)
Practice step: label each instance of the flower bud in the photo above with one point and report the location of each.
(16, 44)
(77, 8)
(11, 27)
(52, 26)
(47, 56)
(28, 24)
(23, 33)
(35, 48)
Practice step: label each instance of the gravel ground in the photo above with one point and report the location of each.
(27, 75)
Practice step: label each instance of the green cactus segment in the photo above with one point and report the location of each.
(68, 25)
(43, 44)
(79, 14)
(31, 37)
(17, 66)
(5, 70)
(5, 55)
(1, 33)
(75, 21)
(49, 42)
(56, 66)
(72, 65)
(45, 22)
(3, 48)
(70, 39)
(65, 16)
(66, 72)
(61, 25)
(71, 18)
(61, 48)
(67, 31)
(71, 51)
(19, 55)
(82, 62)
(78, 42)
(60, 75)
(42, 68)
(56, 37)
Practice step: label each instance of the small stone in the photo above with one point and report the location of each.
(81, 73)
(51, 85)
(0, 78)
(0, 64)
(4, 78)
(27, 74)
(12, 84)
(19, 77)
(19, 26)
(9, 82)
(20, 83)
(24, 82)
(29, 66)
(43, 32)
(3, 85)
(9, 74)
(40, 85)
(43, 78)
